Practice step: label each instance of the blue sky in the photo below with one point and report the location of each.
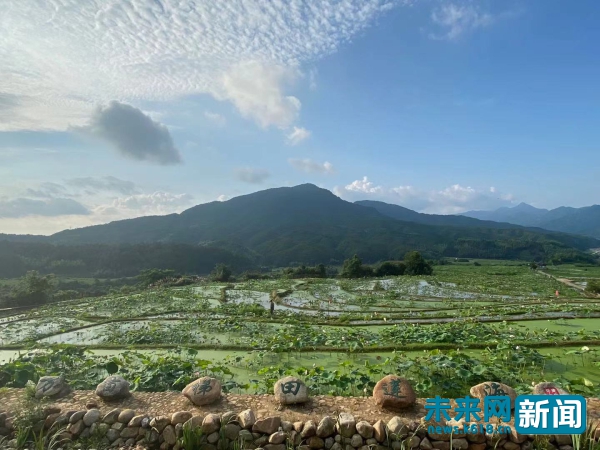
(117, 109)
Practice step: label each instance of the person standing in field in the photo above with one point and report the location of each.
(272, 306)
(556, 293)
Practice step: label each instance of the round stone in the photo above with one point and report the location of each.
(203, 391)
(290, 391)
(393, 392)
(113, 387)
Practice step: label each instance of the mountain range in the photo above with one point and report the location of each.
(584, 221)
(301, 224)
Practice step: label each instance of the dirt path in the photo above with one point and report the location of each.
(166, 403)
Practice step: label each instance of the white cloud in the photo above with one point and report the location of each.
(458, 19)
(57, 216)
(454, 199)
(222, 198)
(310, 166)
(149, 50)
(364, 186)
(257, 90)
(215, 118)
(298, 135)
(252, 175)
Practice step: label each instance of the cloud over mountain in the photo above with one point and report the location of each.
(134, 134)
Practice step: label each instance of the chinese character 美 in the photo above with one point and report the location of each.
(394, 390)
(531, 413)
(466, 408)
(438, 407)
(568, 412)
(290, 387)
(495, 406)
(551, 391)
(202, 388)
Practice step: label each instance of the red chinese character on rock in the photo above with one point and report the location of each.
(551, 391)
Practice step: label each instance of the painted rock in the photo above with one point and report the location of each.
(393, 392)
(203, 391)
(495, 389)
(290, 390)
(113, 387)
(54, 387)
(548, 389)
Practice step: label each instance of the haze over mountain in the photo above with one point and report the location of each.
(303, 224)
(584, 221)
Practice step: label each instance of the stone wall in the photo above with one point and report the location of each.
(243, 430)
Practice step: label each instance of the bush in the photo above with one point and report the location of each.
(390, 268)
(353, 268)
(593, 287)
(221, 273)
(416, 264)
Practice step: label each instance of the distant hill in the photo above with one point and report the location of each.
(401, 213)
(311, 225)
(584, 221)
(278, 227)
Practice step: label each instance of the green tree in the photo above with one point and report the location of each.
(416, 264)
(390, 268)
(151, 276)
(221, 272)
(33, 289)
(593, 287)
(352, 268)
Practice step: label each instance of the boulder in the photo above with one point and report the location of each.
(90, 417)
(356, 441)
(393, 392)
(211, 423)
(180, 417)
(112, 416)
(246, 419)
(113, 387)
(346, 425)
(169, 435)
(364, 429)
(326, 427)
(290, 391)
(54, 387)
(309, 430)
(493, 388)
(396, 428)
(278, 437)
(160, 423)
(126, 415)
(379, 431)
(203, 391)
(547, 388)
(315, 442)
(268, 425)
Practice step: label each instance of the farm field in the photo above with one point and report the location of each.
(446, 332)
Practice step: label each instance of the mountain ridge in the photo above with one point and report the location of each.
(308, 224)
(584, 221)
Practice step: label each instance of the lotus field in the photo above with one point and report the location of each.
(446, 332)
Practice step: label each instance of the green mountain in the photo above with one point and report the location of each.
(401, 213)
(278, 227)
(311, 225)
(584, 221)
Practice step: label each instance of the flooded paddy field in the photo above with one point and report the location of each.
(464, 323)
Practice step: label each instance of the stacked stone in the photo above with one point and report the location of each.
(244, 431)
(126, 428)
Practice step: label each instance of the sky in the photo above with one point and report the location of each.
(112, 109)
